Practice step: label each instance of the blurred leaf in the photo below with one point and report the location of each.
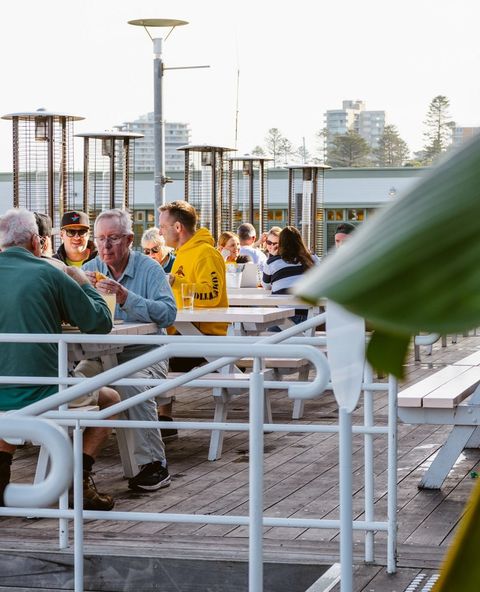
(386, 352)
(415, 265)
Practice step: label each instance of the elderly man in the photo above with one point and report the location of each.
(143, 294)
(76, 248)
(36, 297)
(247, 235)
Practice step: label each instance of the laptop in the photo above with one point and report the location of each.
(250, 276)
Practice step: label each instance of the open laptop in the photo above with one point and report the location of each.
(249, 276)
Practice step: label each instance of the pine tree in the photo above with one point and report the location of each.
(348, 150)
(273, 143)
(392, 150)
(438, 134)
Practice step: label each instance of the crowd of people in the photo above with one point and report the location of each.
(67, 287)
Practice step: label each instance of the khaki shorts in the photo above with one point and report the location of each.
(87, 369)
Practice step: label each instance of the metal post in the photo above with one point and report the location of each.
(346, 505)
(256, 402)
(368, 422)
(158, 127)
(392, 476)
(78, 507)
(63, 502)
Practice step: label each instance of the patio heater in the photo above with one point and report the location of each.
(205, 184)
(306, 210)
(247, 193)
(43, 177)
(108, 170)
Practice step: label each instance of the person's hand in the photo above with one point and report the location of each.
(109, 286)
(77, 274)
(92, 276)
(170, 278)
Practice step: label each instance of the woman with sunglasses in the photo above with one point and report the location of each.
(153, 245)
(270, 241)
(76, 248)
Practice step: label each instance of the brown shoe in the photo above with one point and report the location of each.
(92, 498)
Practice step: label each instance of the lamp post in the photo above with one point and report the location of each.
(159, 177)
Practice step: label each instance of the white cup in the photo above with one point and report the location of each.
(188, 296)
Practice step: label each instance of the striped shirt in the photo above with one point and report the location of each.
(280, 276)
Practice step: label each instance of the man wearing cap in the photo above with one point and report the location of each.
(45, 232)
(76, 248)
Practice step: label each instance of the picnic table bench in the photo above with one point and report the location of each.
(450, 397)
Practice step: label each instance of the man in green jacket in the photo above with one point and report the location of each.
(36, 297)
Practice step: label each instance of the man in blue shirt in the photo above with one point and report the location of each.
(143, 295)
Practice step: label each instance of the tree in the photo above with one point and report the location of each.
(273, 143)
(348, 150)
(438, 134)
(321, 146)
(392, 150)
(286, 149)
(303, 154)
(258, 151)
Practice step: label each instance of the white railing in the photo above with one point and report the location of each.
(227, 349)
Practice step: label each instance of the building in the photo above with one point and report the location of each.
(460, 135)
(176, 135)
(350, 195)
(353, 116)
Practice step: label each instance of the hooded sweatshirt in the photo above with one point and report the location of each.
(198, 262)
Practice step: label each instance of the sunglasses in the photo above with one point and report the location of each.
(271, 243)
(77, 232)
(152, 250)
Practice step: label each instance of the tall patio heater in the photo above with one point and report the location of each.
(247, 193)
(306, 210)
(205, 184)
(108, 170)
(43, 177)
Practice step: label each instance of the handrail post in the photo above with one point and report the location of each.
(368, 421)
(392, 476)
(256, 394)
(63, 501)
(346, 503)
(78, 507)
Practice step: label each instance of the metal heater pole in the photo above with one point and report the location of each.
(158, 128)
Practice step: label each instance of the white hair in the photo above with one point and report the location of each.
(17, 226)
(152, 235)
(122, 217)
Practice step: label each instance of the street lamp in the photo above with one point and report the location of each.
(158, 123)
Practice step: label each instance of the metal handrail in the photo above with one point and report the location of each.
(56, 441)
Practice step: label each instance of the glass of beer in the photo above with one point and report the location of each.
(188, 296)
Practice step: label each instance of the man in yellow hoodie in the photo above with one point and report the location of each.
(196, 262)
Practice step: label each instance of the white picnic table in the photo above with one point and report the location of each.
(242, 320)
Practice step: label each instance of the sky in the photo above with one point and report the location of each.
(295, 60)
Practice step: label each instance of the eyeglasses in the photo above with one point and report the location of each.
(271, 243)
(152, 250)
(114, 239)
(75, 232)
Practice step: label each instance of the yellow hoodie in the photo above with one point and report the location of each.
(198, 262)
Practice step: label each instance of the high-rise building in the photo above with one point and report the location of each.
(176, 135)
(354, 116)
(460, 135)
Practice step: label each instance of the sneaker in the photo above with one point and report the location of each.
(168, 434)
(92, 498)
(150, 478)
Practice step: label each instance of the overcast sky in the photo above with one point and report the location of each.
(296, 60)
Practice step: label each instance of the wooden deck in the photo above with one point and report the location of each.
(301, 479)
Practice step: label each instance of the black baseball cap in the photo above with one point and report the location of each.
(44, 223)
(75, 219)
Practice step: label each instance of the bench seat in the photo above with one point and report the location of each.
(451, 396)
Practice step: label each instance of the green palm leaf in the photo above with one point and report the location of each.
(415, 266)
